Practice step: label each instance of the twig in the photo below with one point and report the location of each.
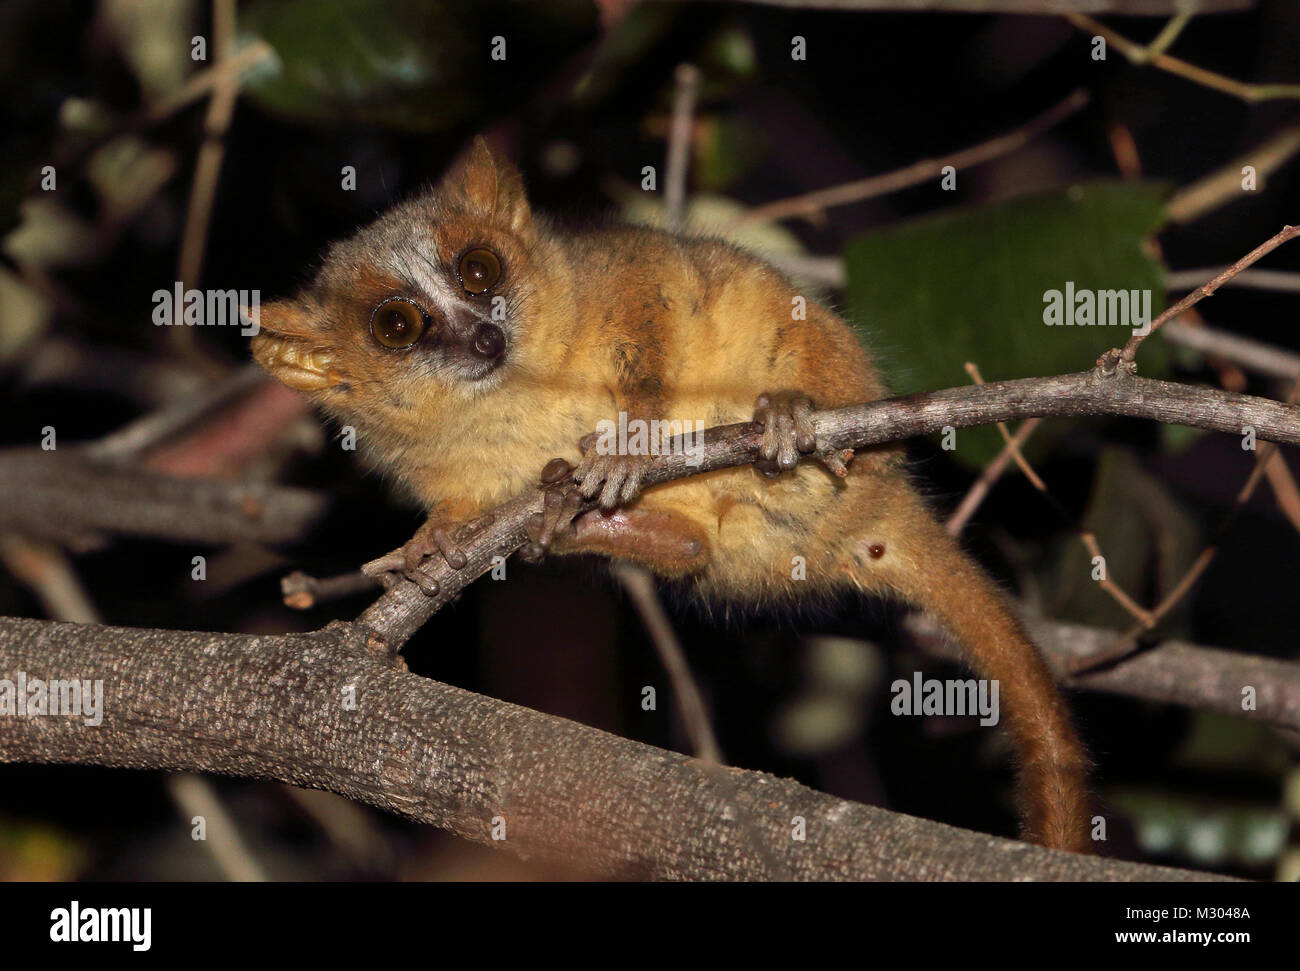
(829, 271)
(1253, 355)
(1008, 442)
(252, 55)
(1168, 34)
(1138, 54)
(1206, 289)
(640, 588)
(1284, 489)
(396, 615)
(1280, 280)
(130, 441)
(917, 172)
(196, 796)
(44, 568)
(639, 585)
(1107, 583)
(207, 171)
(687, 79)
(979, 489)
(1129, 642)
(302, 592)
(226, 71)
(1115, 591)
(1223, 185)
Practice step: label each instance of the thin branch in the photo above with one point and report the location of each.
(1116, 592)
(1129, 642)
(196, 796)
(1008, 442)
(687, 78)
(1170, 672)
(1138, 54)
(1168, 34)
(226, 71)
(829, 271)
(207, 171)
(1012, 446)
(640, 588)
(129, 442)
(400, 612)
(1285, 490)
(1206, 289)
(1224, 184)
(253, 55)
(1280, 281)
(1267, 359)
(63, 495)
(917, 172)
(639, 585)
(45, 570)
(302, 592)
(319, 711)
(979, 489)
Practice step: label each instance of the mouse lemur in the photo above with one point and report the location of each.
(469, 341)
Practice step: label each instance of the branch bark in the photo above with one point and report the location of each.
(400, 612)
(274, 707)
(1170, 672)
(65, 495)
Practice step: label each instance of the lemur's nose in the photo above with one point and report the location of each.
(488, 341)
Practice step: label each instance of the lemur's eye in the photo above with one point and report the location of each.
(479, 270)
(397, 323)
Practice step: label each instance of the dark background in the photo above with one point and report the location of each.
(877, 92)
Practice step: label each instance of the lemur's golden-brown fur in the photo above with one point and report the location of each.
(582, 326)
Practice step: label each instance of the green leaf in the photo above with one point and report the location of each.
(1148, 539)
(417, 66)
(970, 285)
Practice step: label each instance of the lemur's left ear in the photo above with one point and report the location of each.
(492, 186)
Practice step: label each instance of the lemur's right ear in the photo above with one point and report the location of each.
(491, 186)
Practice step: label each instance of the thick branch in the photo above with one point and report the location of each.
(276, 708)
(63, 494)
(396, 615)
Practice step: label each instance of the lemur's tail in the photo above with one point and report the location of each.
(940, 578)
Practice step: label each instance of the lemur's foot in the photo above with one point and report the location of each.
(786, 417)
(434, 536)
(788, 433)
(561, 502)
(616, 478)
